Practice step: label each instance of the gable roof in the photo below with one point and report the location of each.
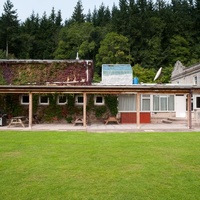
(181, 71)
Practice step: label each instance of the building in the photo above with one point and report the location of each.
(187, 76)
(137, 103)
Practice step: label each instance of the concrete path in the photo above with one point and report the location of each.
(107, 128)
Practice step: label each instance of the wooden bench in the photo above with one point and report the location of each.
(111, 119)
(78, 121)
(17, 120)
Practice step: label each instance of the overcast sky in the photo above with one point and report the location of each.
(26, 7)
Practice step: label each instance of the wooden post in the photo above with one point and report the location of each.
(84, 109)
(138, 110)
(30, 109)
(189, 114)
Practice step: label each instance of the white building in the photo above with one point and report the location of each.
(182, 75)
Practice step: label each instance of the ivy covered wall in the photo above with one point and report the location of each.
(11, 105)
(39, 72)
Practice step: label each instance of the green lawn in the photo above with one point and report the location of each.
(79, 165)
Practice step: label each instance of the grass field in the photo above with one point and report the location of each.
(79, 165)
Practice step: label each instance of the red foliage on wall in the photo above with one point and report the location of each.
(23, 72)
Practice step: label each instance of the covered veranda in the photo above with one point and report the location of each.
(138, 90)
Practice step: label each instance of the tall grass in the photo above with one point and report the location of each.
(79, 165)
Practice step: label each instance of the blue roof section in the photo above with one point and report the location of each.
(117, 67)
(117, 74)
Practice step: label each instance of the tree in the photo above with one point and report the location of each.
(89, 17)
(114, 49)
(179, 50)
(123, 17)
(29, 33)
(147, 75)
(73, 39)
(144, 75)
(40, 35)
(103, 16)
(2, 54)
(78, 15)
(152, 55)
(9, 29)
(58, 21)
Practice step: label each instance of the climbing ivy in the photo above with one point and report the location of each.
(22, 73)
(100, 110)
(112, 104)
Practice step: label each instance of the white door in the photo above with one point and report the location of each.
(180, 106)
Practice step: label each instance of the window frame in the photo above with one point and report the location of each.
(77, 100)
(43, 103)
(61, 103)
(99, 103)
(143, 98)
(160, 100)
(197, 96)
(127, 103)
(21, 100)
(195, 80)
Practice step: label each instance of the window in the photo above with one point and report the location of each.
(127, 102)
(62, 100)
(44, 100)
(99, 100)
(145, 105)
(24, 99)
(163, 102)
(171, 103)
(192, 104)
(195, 80)
(79, 100)
(197, 102)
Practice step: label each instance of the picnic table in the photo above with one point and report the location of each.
(111, 119)
(17, 120)
(78, 121)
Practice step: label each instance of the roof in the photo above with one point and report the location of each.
(133, 89)
(40, 61)
(181, 71)
(41, 72)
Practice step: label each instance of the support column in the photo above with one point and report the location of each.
(84, 109)
(189, 114)
(30, 110)
(138, 110)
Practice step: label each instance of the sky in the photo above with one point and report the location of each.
(26, 7)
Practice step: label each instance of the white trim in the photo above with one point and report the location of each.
(61, 103)
(163, 96)
(145, 97)
(77, 98)
(21, 100)
(195, 80)
(195, 102)
(43, 103)
(99, 103)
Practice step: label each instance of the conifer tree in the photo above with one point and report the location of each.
(78, 15)
(9, 29)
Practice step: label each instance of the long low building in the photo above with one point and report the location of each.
(138, 92)
(74, 92)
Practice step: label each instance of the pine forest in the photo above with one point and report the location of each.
(148, 34)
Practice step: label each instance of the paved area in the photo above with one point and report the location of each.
(107, 128)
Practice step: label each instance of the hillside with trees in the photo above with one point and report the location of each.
(147, 34)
